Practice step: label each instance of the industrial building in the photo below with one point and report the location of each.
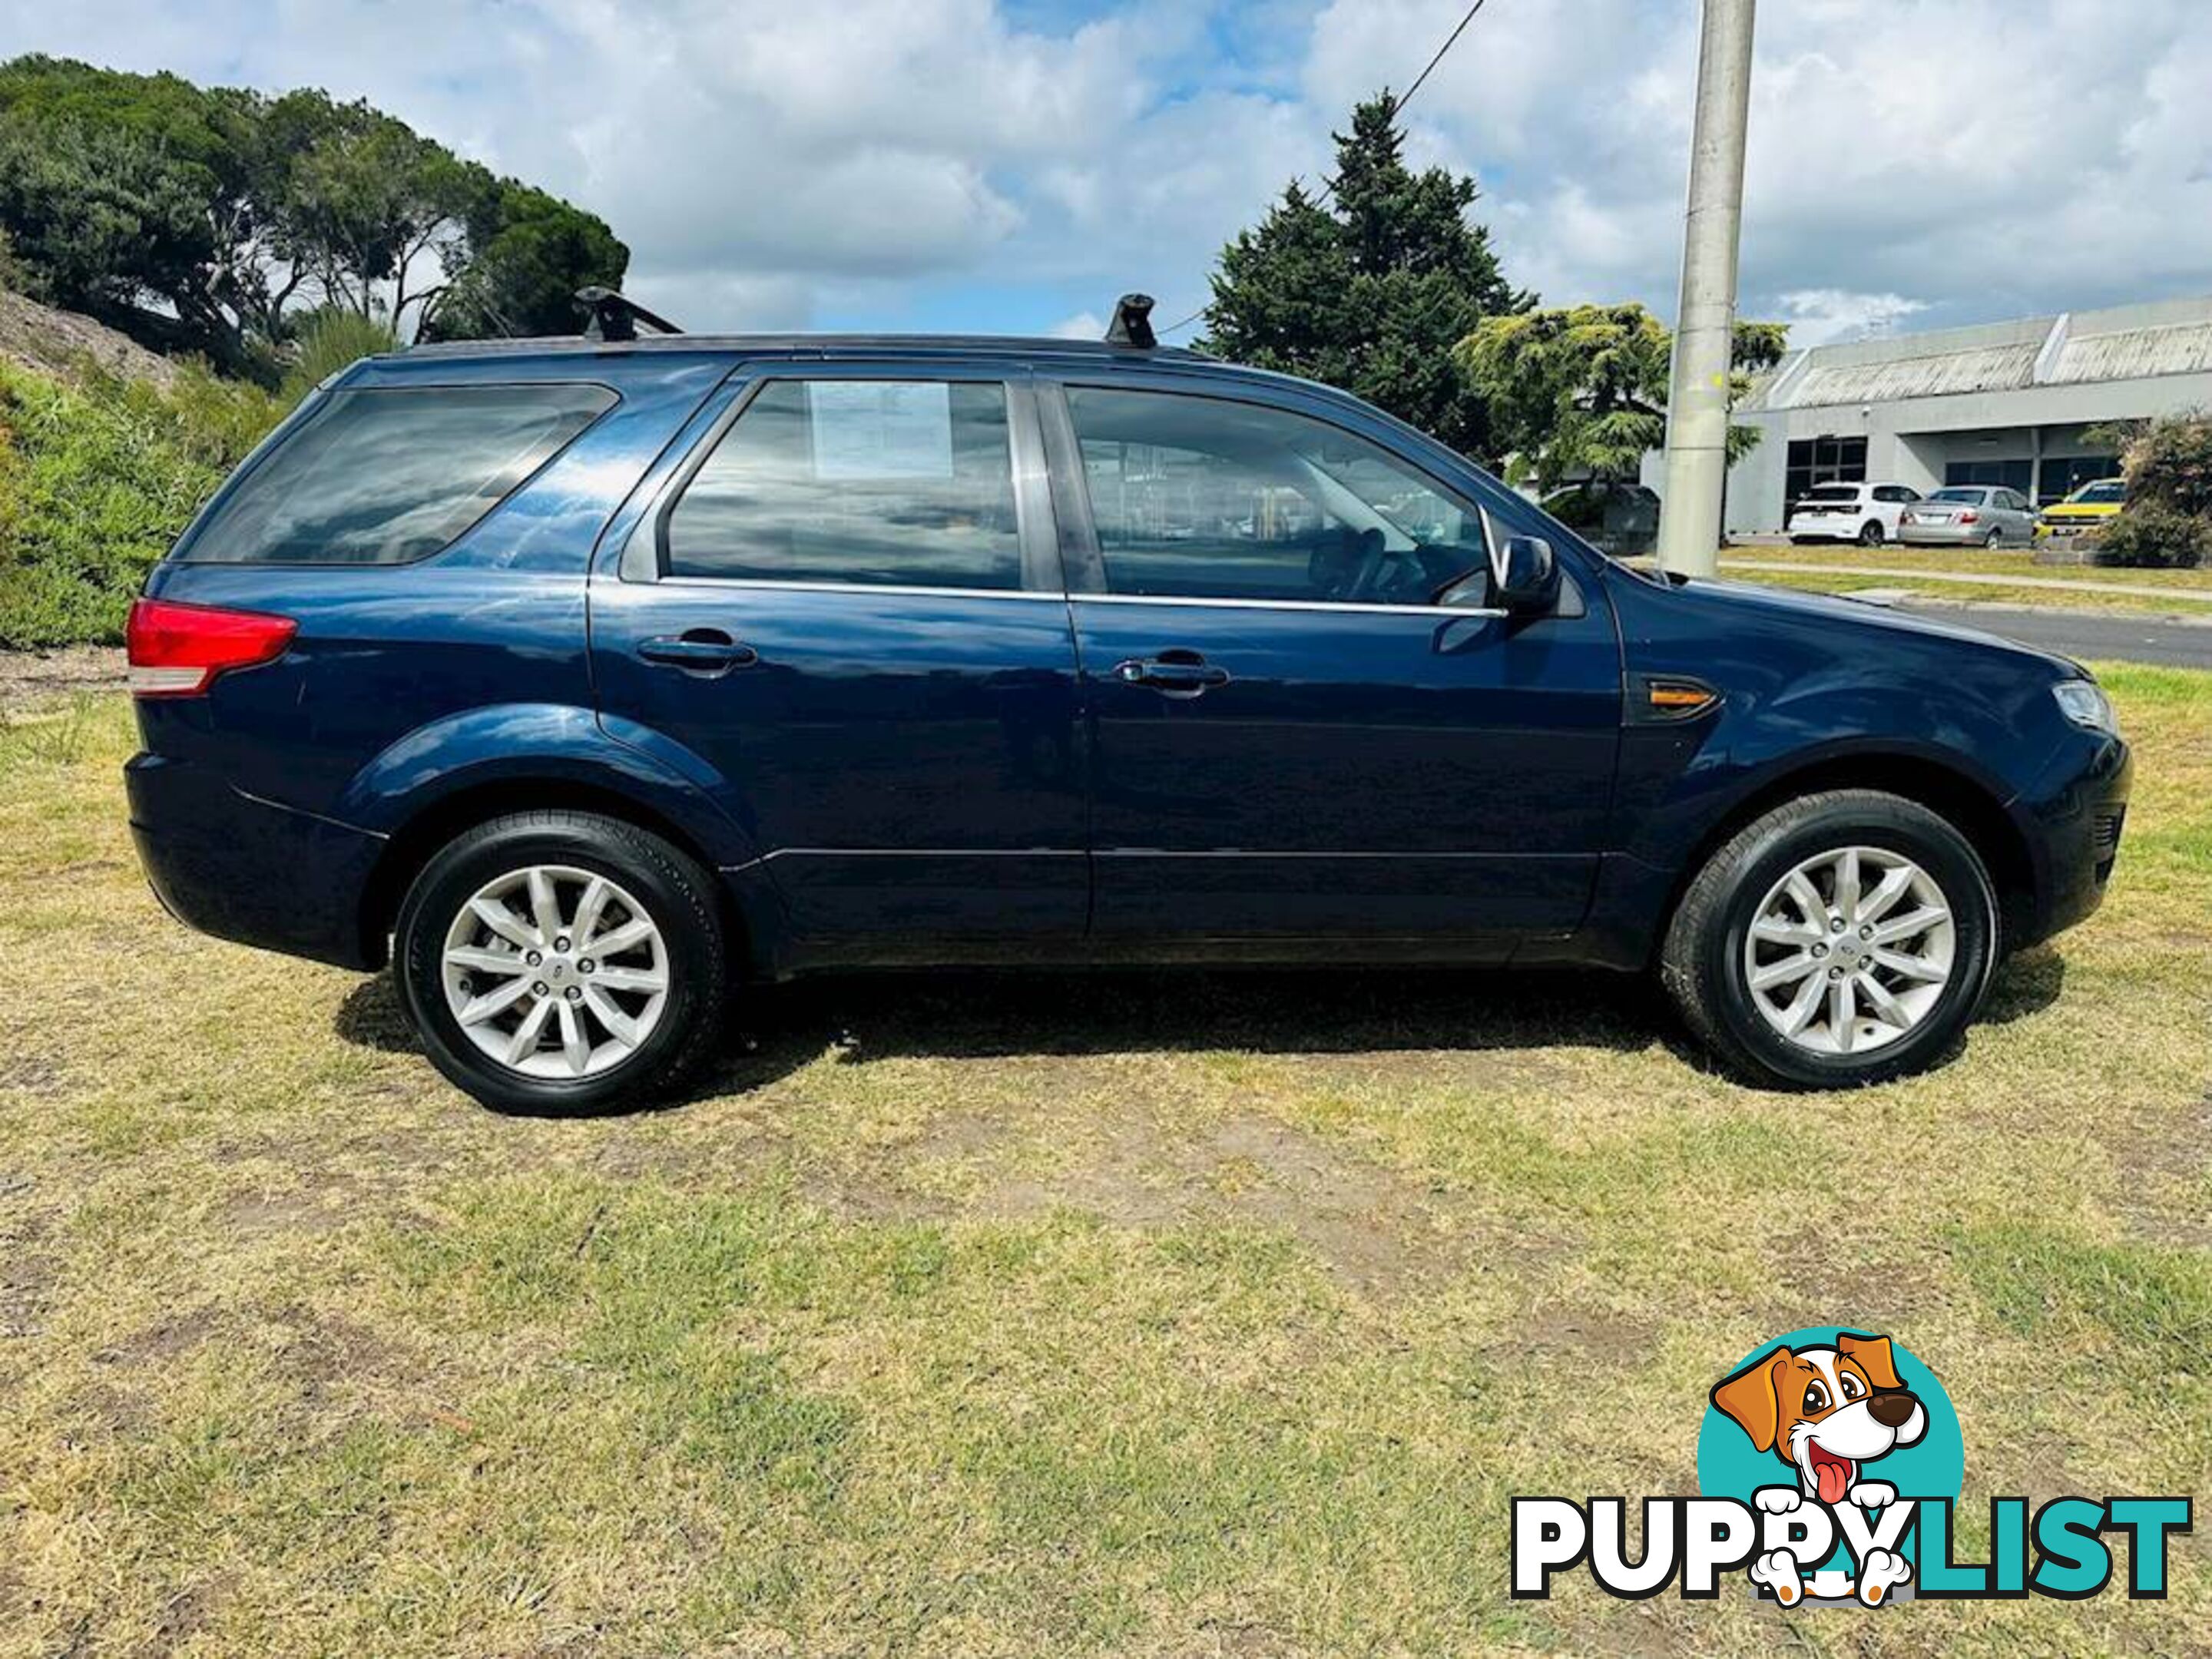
(2014, 404)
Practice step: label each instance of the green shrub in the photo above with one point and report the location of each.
(96, 479)
(330, 339)
(2151, 535)
(2170, 465)
(2167, 522)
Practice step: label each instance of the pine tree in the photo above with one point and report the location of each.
(1373, 293)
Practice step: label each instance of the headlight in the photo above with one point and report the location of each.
(2084, 703)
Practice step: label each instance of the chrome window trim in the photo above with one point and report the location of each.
(1447, 612)
(778, 585)
(1055, 597)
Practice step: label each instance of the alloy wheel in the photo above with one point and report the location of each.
(1850, 951)
(555, 972)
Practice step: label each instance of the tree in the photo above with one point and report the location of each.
(1581, 391)
(210, 221)
(529, 252)
(1370, 293)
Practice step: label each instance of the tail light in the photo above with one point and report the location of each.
(177, 650)
(1970, 517)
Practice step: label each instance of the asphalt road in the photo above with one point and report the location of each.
(2083, 634)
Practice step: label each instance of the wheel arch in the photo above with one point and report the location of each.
(437, 823)
(1949, 791)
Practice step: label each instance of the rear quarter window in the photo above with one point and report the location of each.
(387, 475)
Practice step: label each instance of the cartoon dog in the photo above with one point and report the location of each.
(1827, 1413)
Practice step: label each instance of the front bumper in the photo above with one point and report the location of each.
(249, 870)
(2075, 816)
(2065, 529)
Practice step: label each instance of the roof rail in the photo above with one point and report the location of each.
(1132, 322)
(615, 319)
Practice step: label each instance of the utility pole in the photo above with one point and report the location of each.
(1704, 332)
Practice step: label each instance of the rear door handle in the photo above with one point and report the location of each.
(707, 652)
(1176, 673)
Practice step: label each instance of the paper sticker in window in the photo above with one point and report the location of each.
(881, 428)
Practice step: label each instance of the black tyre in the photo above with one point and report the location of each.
(1991, 540)
(1845, 938)
(1870, 533)
(558, 961)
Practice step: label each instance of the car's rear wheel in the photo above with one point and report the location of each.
(1845, 938)
(1870, 534)
(1993, 538)
(562, 962)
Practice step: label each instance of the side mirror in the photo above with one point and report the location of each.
(1525, 574)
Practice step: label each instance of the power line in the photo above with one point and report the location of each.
(1450, 41)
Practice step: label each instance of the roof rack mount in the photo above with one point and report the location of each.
(1133, 323)
(615, 319)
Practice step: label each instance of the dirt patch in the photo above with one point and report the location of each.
(1869, 1294)
(166, 1339)
(27, 1270)
(2163, 1166)
(185, 1614)
(1375, 1232)
(60, 343)
(30, 1074)
(34, 676)
(323, 1209)
(1592, 1333)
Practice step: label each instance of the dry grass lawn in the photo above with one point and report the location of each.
(2189, 591)
(1146, 1315)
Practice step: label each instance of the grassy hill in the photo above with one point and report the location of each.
(106, 451)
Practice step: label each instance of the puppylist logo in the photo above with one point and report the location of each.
(1830, 1463)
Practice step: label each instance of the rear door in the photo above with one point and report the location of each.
(1291, 739)
(846, 605)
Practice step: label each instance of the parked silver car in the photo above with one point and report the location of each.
(1968, 515)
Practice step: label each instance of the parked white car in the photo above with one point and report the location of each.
(1868, 514)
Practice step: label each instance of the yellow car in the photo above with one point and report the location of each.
(2089, 507)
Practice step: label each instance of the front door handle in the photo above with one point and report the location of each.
(1174, 673)
(707, 652)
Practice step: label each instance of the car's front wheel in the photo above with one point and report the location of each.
(562, 962)
(1845, 938)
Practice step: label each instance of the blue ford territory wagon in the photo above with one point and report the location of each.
(585, 680)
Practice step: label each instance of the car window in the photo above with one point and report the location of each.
(1956, 493)
(1207, 498)
(1830, 493)
(388, 476)
(2102, 494)
(908, 482)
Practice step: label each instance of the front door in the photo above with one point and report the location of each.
(851, 612)
(1308, 723)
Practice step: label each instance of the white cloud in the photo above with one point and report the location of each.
(1939, 160)
(1818, 315)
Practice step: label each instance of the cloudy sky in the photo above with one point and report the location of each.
(1011, 165)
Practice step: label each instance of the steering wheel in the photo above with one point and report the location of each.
(1387, 575)
(1336, 568)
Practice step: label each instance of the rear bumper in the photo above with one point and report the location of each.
(1943, 535)
(249, 870)
(2075, 817)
